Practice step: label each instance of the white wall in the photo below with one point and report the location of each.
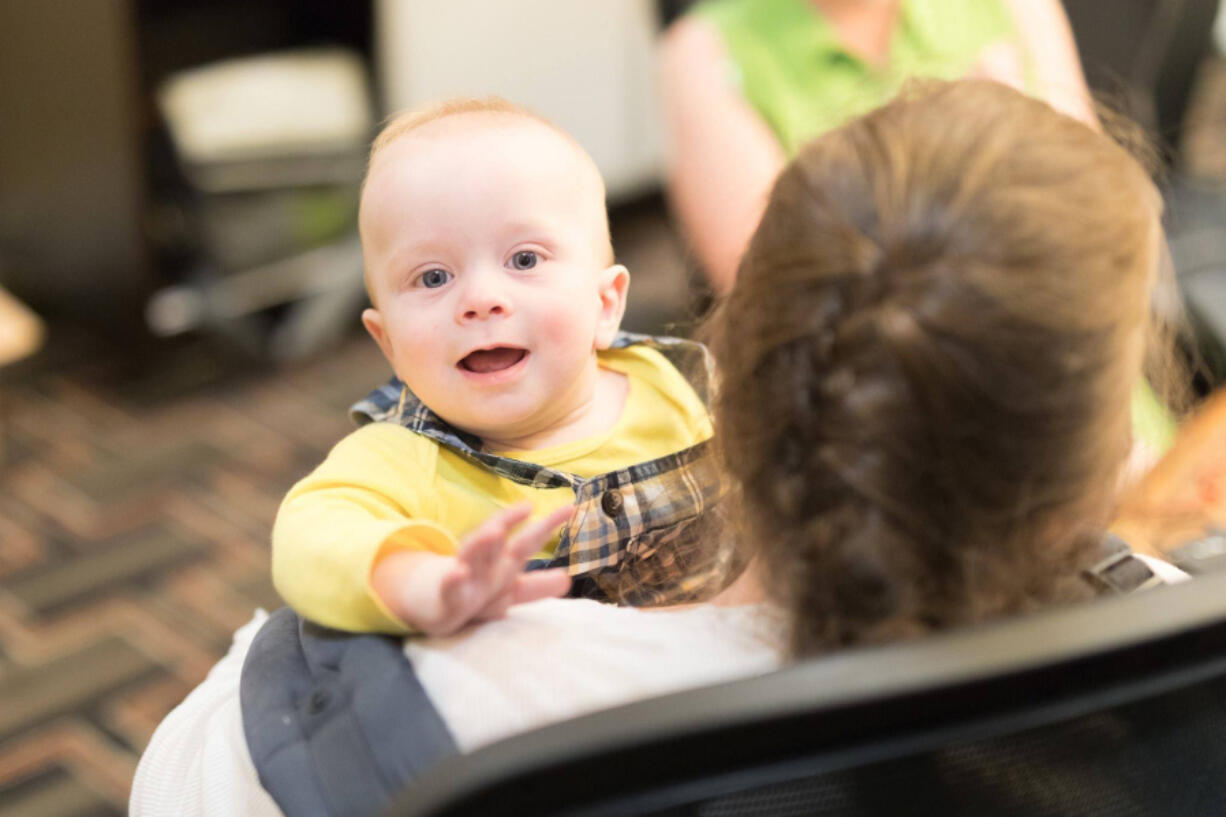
(587, 65)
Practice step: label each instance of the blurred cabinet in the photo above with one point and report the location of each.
(71, 177)
(84, 169)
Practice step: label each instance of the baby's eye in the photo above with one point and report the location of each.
(434, 278)
(524, 259)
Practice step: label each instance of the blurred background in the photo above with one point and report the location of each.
(180, 284)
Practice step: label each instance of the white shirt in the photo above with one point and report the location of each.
(546, 661)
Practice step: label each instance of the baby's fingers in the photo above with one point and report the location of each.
(540, 584)
(500, 524)
(533, 536)
(495, 608)
(484, 544)
(531, 586)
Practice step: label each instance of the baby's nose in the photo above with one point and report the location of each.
(484, 311)
(482, 301)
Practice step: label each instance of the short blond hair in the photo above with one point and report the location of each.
(406, 122)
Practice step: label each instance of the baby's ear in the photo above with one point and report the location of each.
(614, 282)
(372, 319)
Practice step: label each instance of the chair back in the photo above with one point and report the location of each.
(1115, 707)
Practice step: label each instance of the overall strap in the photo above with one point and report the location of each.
(1119, 570)
(336, 723)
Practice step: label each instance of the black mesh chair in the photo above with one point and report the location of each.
(1116, 708)
(1145, 55)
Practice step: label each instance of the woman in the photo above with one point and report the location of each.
(924, 414)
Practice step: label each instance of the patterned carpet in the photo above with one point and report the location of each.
(134, 518)
(137, 490)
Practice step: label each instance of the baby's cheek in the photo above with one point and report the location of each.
(570, 317)
(422, 349)
(410, 348)
(568, 328)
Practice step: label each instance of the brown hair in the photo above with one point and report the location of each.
(927, 359)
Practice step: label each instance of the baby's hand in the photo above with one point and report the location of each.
(438, 595)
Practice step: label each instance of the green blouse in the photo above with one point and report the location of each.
(790, 65)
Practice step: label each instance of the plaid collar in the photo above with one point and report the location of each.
(393, 402)
(630, 537)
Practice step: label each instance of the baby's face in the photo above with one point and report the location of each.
(485, 242)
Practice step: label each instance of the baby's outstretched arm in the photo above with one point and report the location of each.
(438, 595)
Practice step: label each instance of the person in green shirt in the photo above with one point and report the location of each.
(748, 82)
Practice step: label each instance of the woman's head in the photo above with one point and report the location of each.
(927, 360)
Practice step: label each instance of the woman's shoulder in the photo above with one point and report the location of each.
(559, 658)
(602, 631)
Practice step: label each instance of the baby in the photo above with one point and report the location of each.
(497, 302)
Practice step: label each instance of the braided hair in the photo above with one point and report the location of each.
(926, 363)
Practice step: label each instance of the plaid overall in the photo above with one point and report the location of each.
(639, 535)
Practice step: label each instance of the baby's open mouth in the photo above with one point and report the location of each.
(484, 361)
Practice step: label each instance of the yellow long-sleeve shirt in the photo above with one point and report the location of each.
(386, 487)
